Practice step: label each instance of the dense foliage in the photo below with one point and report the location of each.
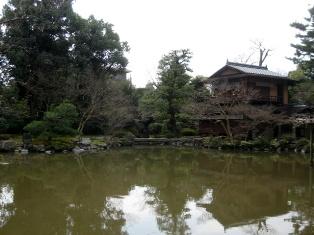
(303, 92)
(13, 111)
(172, 90)
(50, 44)
(62, 74)
(58, 121)
(49, 54)
(304, 55)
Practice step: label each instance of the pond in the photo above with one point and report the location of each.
(156, 191)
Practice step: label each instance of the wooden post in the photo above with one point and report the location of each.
(311, 145)
(311, 185)
(279, 131)
(294, 131)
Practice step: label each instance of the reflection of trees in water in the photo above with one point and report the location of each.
(244, 194)
(93, 211)
(303, 220)
(259, 227)
(82, 198)
(37, 209)
(302, 202)
(169, 199)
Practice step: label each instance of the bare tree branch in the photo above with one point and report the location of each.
(231, 102)
(263, 51)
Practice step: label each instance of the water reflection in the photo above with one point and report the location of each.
(6, 203)
(157, 191)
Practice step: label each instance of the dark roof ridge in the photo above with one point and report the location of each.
(247, 65)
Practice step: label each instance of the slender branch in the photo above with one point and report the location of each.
(11, 20)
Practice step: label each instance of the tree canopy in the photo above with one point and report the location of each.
(302, 92)
(50, 44)
(304, 54)
(173, 86)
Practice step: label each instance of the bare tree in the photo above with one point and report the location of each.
(245, 58)
(118, 108)
(226, 103)
(262, 50)
(258, 48)
(101, 98)
(90, 93)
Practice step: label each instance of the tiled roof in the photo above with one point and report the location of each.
(253, 69)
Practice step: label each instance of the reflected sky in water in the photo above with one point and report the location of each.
(6, 200)
(156, 191)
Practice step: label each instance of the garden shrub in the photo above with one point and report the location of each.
(286, 141)
(62, 143)
(260, 143)
(164, 128)
(274, 143)
(188, 132)
(13, 112)
(155, 128)
(214, 142)
(36, 128)
(123, 134)
(165, 132)
(246, 144)
(4, 125)
(227, 144)
(302, 143)
(59, 121)
(4, 136)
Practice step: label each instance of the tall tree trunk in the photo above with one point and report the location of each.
(86, 116)
(227, 128)
(172, 126)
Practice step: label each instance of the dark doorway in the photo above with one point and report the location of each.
(280, 94)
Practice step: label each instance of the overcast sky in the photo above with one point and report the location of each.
(214, 30)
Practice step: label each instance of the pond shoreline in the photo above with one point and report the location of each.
(100, 143)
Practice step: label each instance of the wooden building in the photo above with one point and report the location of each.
(270, 86)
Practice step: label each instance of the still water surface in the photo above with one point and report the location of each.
(156, 191)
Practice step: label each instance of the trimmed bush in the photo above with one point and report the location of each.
(227, 144)
(188, 132)
(302, 143)
(246, 144)
(260, 143)
(4, 125)
(155, 128)
(214, 142)
(62, 143)
(36, 128)
(123, 134)
(274, 143)
(4, 136)
(59, 121)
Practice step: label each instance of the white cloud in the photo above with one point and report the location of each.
(214, 30)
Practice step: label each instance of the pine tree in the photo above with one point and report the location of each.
(304, 55)
(173, 85)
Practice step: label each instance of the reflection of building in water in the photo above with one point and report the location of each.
(243, 202)
(162, 191)
(245, 191)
